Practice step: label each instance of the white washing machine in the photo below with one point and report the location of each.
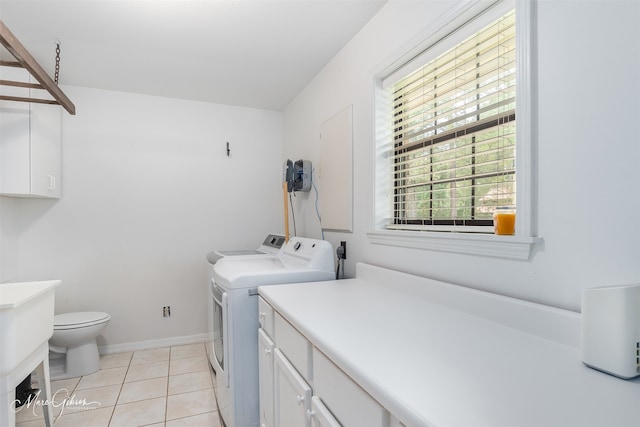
(271, 245)
(234, 289)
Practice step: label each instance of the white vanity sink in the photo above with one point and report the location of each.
(26, 324)
(26, 320)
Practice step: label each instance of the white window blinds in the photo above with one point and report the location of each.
(454, 134)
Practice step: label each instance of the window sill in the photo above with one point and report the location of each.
(489, 245)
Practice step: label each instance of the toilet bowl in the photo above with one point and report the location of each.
(73, 350)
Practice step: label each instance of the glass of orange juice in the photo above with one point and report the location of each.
(504, 220)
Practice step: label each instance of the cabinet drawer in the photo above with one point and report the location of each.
(294, 345)
(350, 404)
(265, 317)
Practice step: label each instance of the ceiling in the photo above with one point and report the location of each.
(252, 53)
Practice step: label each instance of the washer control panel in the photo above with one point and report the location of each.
(310, 251)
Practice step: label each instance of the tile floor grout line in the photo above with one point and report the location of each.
(120, 391)
(166, 399)
(113, 411)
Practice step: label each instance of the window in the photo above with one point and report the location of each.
(454, 133)
(448, 149)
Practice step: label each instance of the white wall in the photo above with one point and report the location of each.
(587, 64)
(147, 191)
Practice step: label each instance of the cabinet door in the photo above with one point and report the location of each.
(320, 416)
(14, 135)
(265, 369)
(30, 141)
(292, 397)
(45, 150)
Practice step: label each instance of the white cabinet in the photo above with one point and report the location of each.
(29, 142)
(347, 401)
(265, 370)
(300, 386)
(292, 394)
(320, 416)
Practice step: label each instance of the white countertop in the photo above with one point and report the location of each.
(431, 365)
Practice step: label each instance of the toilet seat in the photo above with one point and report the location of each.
(81, 319)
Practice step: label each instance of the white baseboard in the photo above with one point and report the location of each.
(143, 345)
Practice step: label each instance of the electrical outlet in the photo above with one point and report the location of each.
(166, 311)
(344, 247)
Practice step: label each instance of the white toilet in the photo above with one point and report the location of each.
(73, 350)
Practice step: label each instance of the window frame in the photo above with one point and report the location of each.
(518, 246)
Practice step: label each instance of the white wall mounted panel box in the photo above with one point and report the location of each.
(30, 141)
(611, 329)
(336, 171)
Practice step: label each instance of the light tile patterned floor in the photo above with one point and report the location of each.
(166, 387)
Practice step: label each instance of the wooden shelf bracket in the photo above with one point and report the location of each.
(26, 61)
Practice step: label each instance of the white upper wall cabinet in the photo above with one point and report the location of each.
(30, 141)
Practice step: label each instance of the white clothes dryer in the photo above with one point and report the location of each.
(234, 288)
(271, 245)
